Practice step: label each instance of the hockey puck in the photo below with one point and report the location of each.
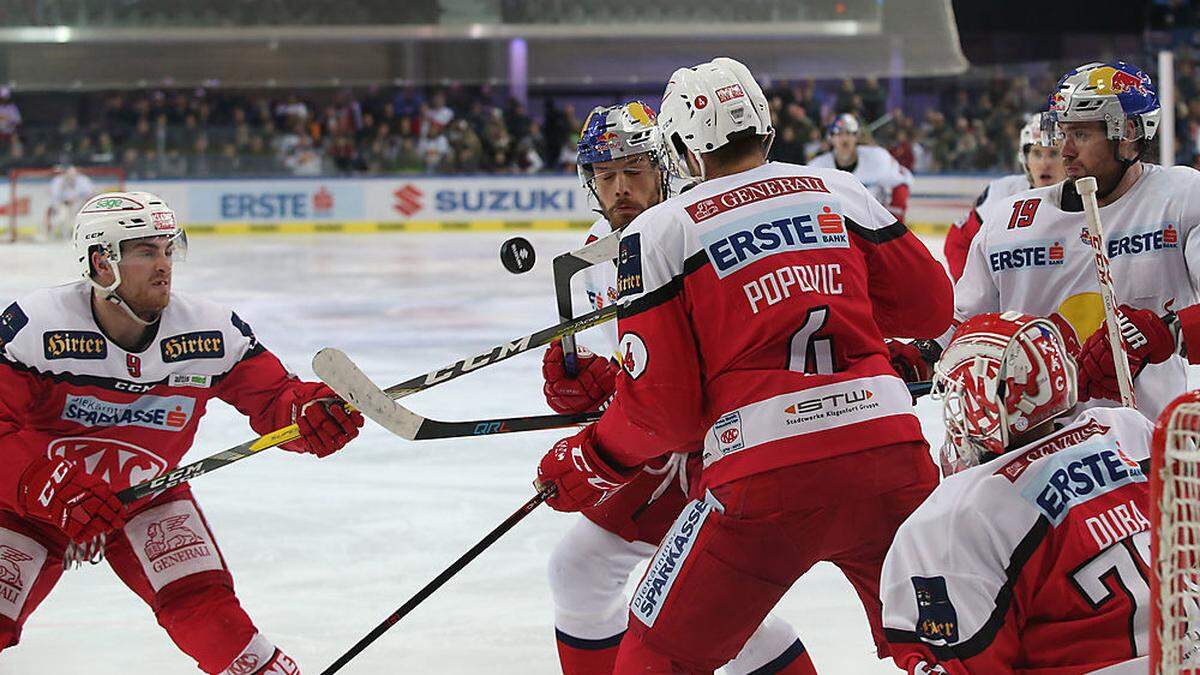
(517, 255)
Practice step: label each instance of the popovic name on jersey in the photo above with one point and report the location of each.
(784, 278)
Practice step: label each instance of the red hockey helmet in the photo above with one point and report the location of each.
(1002, 374)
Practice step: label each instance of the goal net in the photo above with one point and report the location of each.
(32, 211)
(1175, 552)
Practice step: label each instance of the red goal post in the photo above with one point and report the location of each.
(24, 211)
(1175, 542)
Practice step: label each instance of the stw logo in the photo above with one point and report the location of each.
(168, 535)
(10, 571)
(408, 199)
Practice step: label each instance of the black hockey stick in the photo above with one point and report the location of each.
(348, 380)
(566, 266)
(411, 386)
(420, 596)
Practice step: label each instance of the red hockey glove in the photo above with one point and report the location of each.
(60, 492)
(325, 426)
(1148, 338)
(913, 361)
(579, 476)
(594, 382)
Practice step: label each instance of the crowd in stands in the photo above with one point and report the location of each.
(970, 125)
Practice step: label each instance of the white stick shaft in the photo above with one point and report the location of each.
(1091, 210)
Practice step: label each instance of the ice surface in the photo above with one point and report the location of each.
(321, 551)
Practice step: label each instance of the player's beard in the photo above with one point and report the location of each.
(149, 302)
(624, 211)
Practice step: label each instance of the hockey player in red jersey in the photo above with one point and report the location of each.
(623, 163)
(105, 381)
(884, 177)
(751, 321)
(1032, 555)
(1043, 166)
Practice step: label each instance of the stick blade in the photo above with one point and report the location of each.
(348, 380)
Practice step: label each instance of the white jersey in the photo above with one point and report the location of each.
(876, 169)
(1007, 564)
(1031, 255)
(75, 190)
(600, 284)
(1002, 188)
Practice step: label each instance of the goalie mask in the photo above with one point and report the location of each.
(1001, 375)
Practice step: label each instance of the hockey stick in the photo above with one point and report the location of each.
(567, 266)
(348, 380)
(420, 596)
(1086, 187)
(411, 386)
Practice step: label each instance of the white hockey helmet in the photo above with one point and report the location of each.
(1114, 93)
(704, 105)
(1032, 134)
(110, 218)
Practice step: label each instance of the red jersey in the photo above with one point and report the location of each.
(753, 310)
(1035, 562)
(70, 391)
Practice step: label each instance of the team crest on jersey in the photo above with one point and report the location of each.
(629, 265)
(728, 432)
(11, 322)
(1028, 255)
(1077, 475)
(74, 344)
(1159, 239)
(115, 462)
(205, 344)
(804, 227)
(937, 621)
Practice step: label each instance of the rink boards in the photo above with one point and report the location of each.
(424, 203)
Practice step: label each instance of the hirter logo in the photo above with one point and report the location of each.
(408, 199)
(322, 200)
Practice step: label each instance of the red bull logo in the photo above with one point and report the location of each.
(1109, 80)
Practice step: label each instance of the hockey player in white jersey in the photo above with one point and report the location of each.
(1032, 555)
(1042, 163)
(1032, 253)
(623, 165)
(872, 165)
(69, 189)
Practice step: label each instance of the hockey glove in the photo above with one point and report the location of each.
(913, 361)
(60, 492)
(1147, 337)
(325, 426)
(594, 382)
(580, 478)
